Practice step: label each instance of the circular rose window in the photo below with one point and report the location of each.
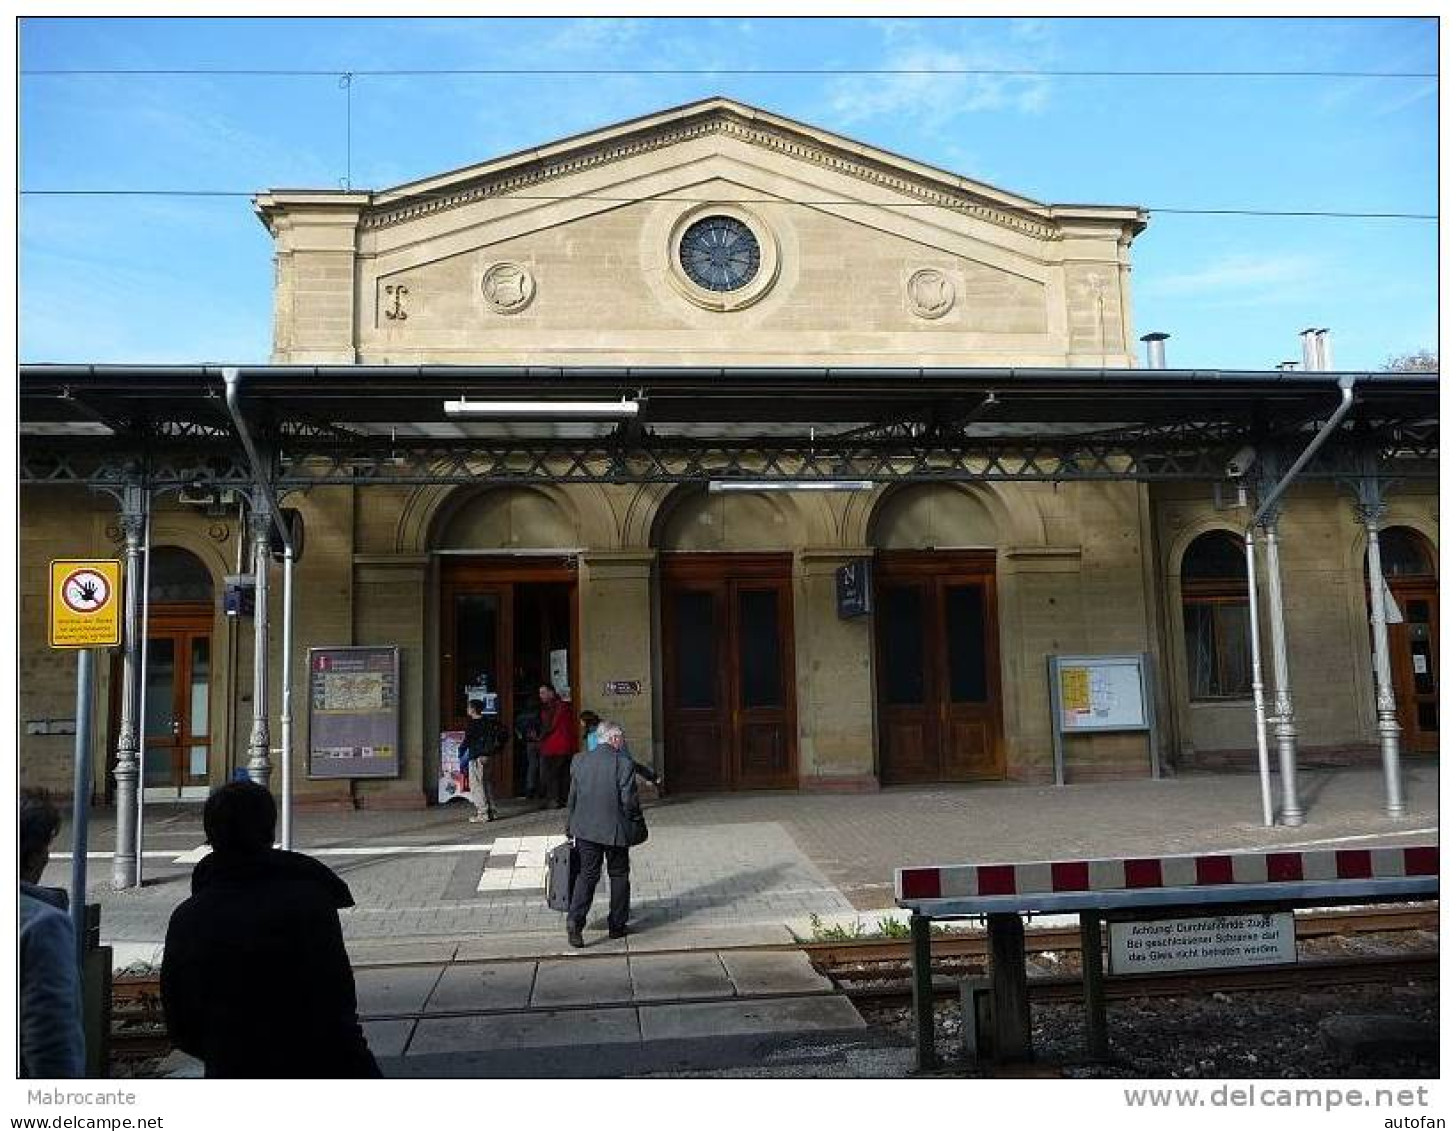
(719, 253)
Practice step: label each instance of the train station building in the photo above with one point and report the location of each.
(798, 457)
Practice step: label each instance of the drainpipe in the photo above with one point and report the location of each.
(1347, 400)
(258, 765)
(141, 793)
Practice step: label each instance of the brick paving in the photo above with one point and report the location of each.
(756, 864)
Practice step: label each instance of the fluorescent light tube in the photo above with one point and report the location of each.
(543, 410)
(719, 485)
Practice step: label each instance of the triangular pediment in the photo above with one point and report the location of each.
(517, 173)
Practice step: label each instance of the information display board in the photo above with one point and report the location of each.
(353, 712)
(1091, 694)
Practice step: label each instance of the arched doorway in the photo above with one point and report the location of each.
(177, 695)
(937, 656)
(728, 674)
(1407, 561)
(507, 615)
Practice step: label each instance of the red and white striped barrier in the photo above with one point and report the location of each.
(971, 881)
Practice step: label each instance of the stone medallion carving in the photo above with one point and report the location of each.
(508, 287)
(931, 293)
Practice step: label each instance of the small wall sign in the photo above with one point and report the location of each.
(622, 687)
(852, 589)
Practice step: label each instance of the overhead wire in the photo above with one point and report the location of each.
(597, 72)
(385, 198)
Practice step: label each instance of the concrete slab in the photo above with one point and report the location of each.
(645, 939)
(831, 1013)
(541, 1029)
(764, 973)
(386, 953)
(388, 1038)
(514, 945)
(486, 985)
(396, 989)
(659, 977)
(583, 981)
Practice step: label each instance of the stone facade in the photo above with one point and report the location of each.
(565, 255)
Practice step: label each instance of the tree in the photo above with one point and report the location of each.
(1422, 361)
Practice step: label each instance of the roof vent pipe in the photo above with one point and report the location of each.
(1287, 366)
(1310, 348)
(1157, 359)
(1322, 350)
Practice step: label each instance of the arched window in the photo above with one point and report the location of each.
(1403, 553)
(1216, 618)
(177, 575)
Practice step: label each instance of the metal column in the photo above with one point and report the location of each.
(1291, 812)
(1261, 726)
(1371, 509)
(260, 766)
(128, 743)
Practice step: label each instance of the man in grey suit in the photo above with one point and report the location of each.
(602, 802)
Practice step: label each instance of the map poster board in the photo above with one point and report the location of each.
(453, 783)
(353, 712)
(1091, 694)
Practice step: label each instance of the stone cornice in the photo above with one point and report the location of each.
(862, 165)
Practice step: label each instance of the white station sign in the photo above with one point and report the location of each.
(1210, 941)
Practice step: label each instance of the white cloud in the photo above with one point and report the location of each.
(1232, 273)
(932, 99)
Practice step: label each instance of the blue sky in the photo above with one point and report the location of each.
(187, 279)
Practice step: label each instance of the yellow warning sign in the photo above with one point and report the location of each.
(85, 603)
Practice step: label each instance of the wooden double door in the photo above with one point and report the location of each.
(938, 670)
(176, 728)
(1415, 663)
(728, 671)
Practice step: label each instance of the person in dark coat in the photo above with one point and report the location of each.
(599, 809)
(52, 1044)
(255, 978)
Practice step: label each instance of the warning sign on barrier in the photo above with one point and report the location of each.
(85, 603)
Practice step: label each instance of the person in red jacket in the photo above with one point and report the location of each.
(558, 744)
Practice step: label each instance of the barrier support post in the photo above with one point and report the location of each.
(1012, 1008)
(924, 1006)
(1094, 995)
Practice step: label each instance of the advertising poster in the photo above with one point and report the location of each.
(453, 783)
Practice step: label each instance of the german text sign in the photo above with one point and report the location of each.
(1203, 943)
(85, 600)
(353, 712)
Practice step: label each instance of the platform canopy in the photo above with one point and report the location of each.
(360, 424)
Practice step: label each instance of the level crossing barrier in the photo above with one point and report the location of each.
(1126, 890)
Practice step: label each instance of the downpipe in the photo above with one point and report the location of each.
(1347, 400)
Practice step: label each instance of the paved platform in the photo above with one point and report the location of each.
(463, 971)
(735, 870)
(485, 1009)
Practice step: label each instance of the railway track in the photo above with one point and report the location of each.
(875, 973)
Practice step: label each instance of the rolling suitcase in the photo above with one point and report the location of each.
(562, 864)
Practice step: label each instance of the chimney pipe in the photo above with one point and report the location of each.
(1322, 349)
(1311, 350)
(1157, 359)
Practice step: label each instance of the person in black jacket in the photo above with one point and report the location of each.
(484, 739)
(255, 978)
